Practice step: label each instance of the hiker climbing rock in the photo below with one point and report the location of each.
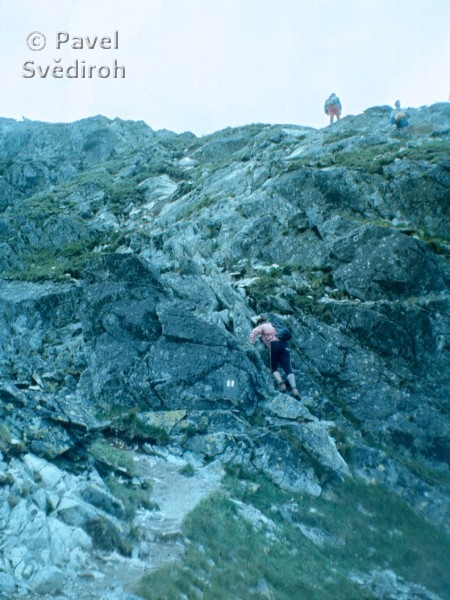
(279, 352)
(399, 117)
(333, 107)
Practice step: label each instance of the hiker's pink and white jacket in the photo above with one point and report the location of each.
(266, 332)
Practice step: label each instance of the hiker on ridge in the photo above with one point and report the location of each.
(279, 353)
(399, 117)
(333, 107)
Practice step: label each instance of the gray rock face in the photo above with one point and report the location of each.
(390, 266)
(132, 262)
(146, 347)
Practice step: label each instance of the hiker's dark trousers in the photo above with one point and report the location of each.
(280, 356)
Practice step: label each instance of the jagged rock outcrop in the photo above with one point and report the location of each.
(132, 261)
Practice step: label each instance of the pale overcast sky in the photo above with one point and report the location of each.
(203, 65)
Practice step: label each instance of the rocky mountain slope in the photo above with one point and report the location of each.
(132, 262)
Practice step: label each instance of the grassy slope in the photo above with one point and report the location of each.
(366, 527)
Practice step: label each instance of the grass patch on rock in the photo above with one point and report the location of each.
(5, 438)
(58, 264)
(372, 159)
(130, 427)
(113, 457)
(132, 497)
(306, 287)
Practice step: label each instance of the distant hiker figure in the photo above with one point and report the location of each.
(279, 352)
(399, 117)
(333, 107)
